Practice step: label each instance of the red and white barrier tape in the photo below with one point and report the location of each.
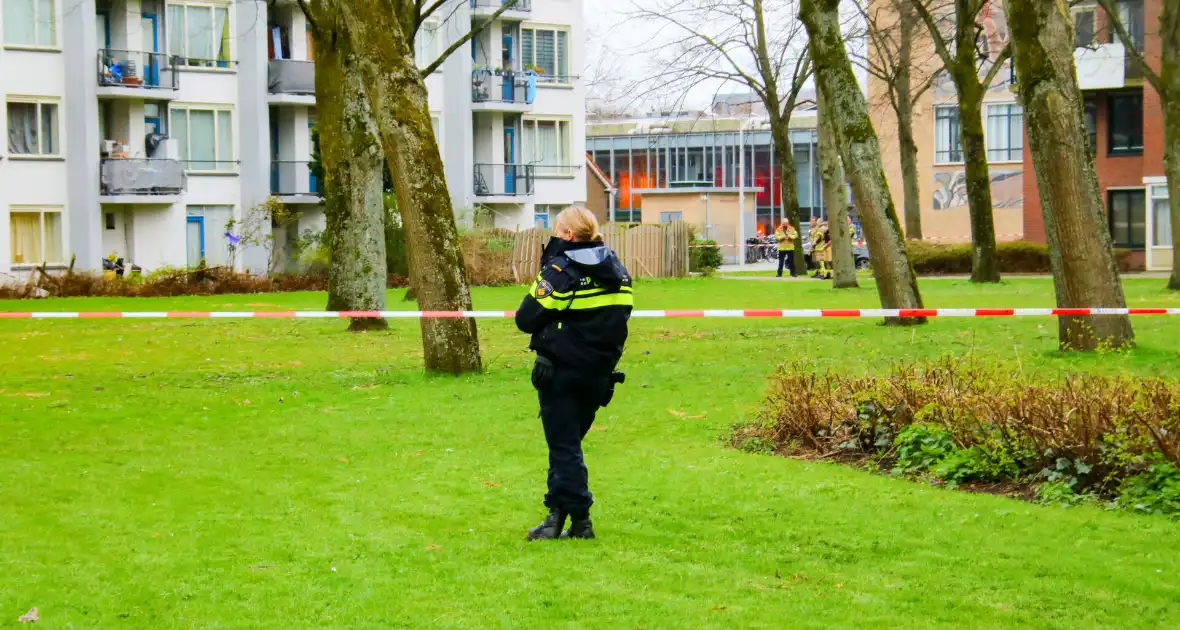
(725, 313)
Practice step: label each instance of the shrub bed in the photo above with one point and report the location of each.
(1115, 439)
(933, 259)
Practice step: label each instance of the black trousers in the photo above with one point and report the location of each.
(789, 257)
(569, 400)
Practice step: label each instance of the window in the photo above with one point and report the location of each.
(1083, 27)
(35, 236)
(541, 220)
(1005, 133)
(204, 138)
(1131, 16)
(1128, 221)
(109, 218)
(30, 23)
(1161, 217)
(946, 136)
(199, 34)
(547, 146)
(32, 128)
(426, 44)
(1125, 119)
(1090, 112)
(668, 217)
(546, 51)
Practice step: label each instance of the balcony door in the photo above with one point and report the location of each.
(151, 45)
(194, 241)
(509, 161)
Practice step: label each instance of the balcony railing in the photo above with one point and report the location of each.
(139, 176)
(509, 180)
(293, 177)
(286, 76)
(521, 5)
(132, 69)
(555, 170)
(500, 87)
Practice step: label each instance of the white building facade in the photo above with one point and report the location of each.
(142, 128)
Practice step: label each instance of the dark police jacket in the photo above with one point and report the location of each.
(578, 306)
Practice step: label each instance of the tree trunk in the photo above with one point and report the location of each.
(1170, 97)
(907, 148)
(843, 258)
(979, 186)
(1084, 271)
(897, 285)
(353, 205)
(784, 154)
(397, 93)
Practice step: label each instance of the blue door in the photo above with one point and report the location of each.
(509, 161)
(194, 232)
(509, 75)
(151, 44)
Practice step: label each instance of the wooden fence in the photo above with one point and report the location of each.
(647, 251)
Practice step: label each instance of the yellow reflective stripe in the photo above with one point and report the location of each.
(602, 301)
(551, 304)
(579, 294)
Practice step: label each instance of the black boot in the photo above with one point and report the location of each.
(579, 528)
(550, 528)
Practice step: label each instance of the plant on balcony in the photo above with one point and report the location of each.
(535, 68)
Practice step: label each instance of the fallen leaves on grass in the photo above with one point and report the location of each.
(433, 547)
(342, 460)
(681, 414)
(28, 395)
(30, 617)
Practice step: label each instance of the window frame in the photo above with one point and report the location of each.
(1092, 9)
(185, 155)
(1159, 193)
(179, 35)
(1130, 191)
(987, 136)
(558, 79)
(41, 211)
(55, 46)
(531, 154)
(38, 101)
(1111, 149)
(430, 25)
(955, 148)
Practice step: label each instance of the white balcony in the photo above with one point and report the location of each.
(520, 11)
(1101, 66)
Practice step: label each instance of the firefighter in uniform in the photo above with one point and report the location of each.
(576, 311)
(785, 235)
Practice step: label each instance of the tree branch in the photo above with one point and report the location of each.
(935, 34)
(429, 70)
(1005, 55)
(423, 15)
(315, 27)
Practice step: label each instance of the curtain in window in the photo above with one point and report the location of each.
(176, 30)
(563, 56)
(530, 142)
(546, 52)
(22, 129)
(48, 129)
(25, 229)
(199, 32)
(1163, 224)
(19, 22)
(1005, 128)
(548, 144)
(221, 36)
(180, 132)
(46, 23)
(526, 47)
(202, 132)
(52, 235)
(225, 140)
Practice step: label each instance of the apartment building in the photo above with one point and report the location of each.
(141, 128)
(1122, 115)
(717, 171)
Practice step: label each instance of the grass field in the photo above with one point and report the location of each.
(285, 474)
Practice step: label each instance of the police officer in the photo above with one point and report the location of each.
(577, 311)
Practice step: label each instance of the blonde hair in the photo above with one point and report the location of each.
(581, 222)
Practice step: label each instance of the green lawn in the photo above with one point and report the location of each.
(285, 474)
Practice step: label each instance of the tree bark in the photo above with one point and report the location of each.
(843, 258)
(897, 285)
(979, 186)
(784, 154)
(382, 32)
(1084, 271)
(907, 148)
(1169, 91)
(353, 205)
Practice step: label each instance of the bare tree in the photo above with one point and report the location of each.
(735, 42)
(907, 69)
(1166, 83)
(377, 36)
(973, 71)
(897, 284)
(1084, 271)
